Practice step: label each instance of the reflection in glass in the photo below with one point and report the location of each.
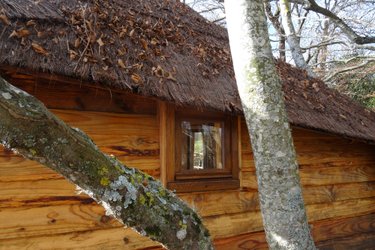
(202, 145)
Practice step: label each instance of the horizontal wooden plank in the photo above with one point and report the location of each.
(327, 234)
(41, 221)
(323, 175)
(16, 168)
(338, 192)
(361, 241)
(65, 93)
(224, 202)
(253, 241)
(134, 139)
(235, 224)
(330, 229)
(317, 149)
(58, 191)
(111, 238)
(19, 169)
(73, 219)
(111, 124)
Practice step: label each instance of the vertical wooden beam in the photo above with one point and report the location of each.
(166, 116)
(162, 116)
(239, 141)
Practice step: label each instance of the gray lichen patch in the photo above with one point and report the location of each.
(6, 95)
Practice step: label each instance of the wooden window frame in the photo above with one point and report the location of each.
(197, 180)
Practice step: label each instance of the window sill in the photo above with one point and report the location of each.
(203, 185)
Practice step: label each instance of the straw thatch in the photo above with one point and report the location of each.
(157, 48)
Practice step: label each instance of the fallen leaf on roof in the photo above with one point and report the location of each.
(121, 63)
(20, 33)
(39, 49)
(77, 42)
(30, 23)
(315, 86)
(4, 19)
(136, 78)
(343, 116)
(100, 42)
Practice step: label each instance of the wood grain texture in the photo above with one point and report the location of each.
(341, 233)
(236, 224)
(112, 238)
(134, 139)
(58, 92)
(324, 175)
(317, 150)
(50, 220)
(163, 134)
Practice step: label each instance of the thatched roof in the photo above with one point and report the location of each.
(157, 48)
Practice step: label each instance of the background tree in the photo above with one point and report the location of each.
(335, 37)
(284, 216)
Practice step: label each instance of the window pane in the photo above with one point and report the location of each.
(202, 145)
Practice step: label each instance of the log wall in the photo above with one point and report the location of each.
(41, 210)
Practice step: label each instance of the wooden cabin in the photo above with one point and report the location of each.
(146, 80)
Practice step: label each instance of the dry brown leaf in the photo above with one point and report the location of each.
(4, 19)
(154, 41)
(131, 33)
(315, 86)
(20, 33)
(39, 49)
(72, 54)
(136, 78)
(343, 116)
(158, 71)
(121, 63)
(30, 23)
(144, 44)
(14, 33)
(121, 52)
(122, 33)
(100, 42)
(77, 42)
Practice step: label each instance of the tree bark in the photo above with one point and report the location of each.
(292, 39)
(282, 206)
(134, 198)
(274, 18)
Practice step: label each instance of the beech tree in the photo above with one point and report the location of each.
(134, 198)
(284, 216)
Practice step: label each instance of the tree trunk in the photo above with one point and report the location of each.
(292, 39)
(282, 206)
(134, 198)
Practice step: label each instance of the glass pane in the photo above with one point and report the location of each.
(202, 145)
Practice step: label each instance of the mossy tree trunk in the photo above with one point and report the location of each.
(132, 197)
(282, 206)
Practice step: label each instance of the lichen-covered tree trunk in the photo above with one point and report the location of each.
(132, 197)
(292, 39)
(280, 194)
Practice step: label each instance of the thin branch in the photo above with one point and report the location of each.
(334, 74)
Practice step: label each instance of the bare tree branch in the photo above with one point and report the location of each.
(351, 34)
(347, 69)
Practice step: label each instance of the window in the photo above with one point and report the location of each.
(206, 154)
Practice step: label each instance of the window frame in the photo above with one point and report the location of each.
(207, 179)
